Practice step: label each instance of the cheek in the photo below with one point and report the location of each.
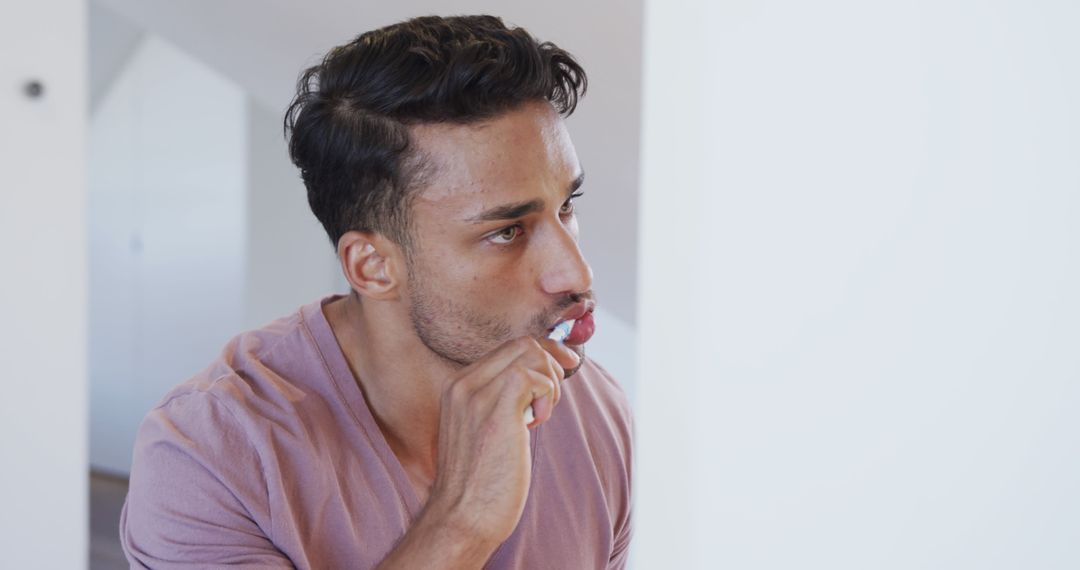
(501, 289)
(494, 269)
(491, 278)
(495, 282)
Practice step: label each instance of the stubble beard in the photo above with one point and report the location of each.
(458, 335)
(452, 332)
(448, 329)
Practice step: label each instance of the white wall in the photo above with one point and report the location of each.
(168, 228)
(859, 273)
(43, 295)
(289, 260)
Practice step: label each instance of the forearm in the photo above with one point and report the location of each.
(435, 540)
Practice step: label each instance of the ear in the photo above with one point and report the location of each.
(372, 263)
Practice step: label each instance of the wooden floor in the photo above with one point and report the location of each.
(107, 494)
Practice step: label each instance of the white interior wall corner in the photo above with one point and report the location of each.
(168, 236)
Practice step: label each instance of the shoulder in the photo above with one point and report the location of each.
(196, 478)
(209, 435)
(256, 371)
(227, 419)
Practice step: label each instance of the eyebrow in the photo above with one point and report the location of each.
(519, 209)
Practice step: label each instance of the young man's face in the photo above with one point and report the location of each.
(495, 253)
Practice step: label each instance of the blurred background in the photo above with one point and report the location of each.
(834, 245)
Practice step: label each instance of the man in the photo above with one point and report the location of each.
(425, 420)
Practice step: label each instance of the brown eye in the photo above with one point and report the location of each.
(506, 235)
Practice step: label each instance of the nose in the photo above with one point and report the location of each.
(564, 269)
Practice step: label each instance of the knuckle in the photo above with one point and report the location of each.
(543, 383)
(519, 371)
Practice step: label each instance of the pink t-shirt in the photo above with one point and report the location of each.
(271, 458)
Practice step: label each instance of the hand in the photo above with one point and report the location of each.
(484, 459)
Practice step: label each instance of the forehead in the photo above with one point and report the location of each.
(523, 154)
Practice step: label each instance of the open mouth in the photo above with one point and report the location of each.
(575, 326)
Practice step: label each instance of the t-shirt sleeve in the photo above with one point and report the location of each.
(622, 426)
(620, 549)
(624, 524)
(197, 497)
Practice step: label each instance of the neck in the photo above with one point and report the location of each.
(401, 379)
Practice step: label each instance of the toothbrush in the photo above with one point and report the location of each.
(559, 334)
(561, 331)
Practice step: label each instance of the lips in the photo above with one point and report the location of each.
(583, 330)
(584, 327)
(575, 312)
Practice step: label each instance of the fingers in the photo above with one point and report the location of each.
(543, 393)
(481, 372)
(543, 374)
(532, 379)
(564, 355)
(517, 387)
(522, 372)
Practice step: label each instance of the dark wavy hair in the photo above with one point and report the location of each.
(348, 124)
